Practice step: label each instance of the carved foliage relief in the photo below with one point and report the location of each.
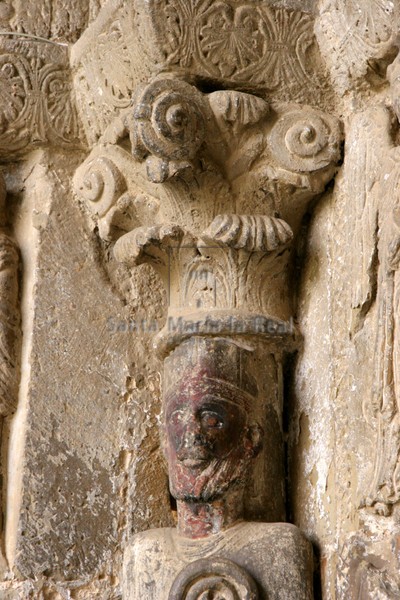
(247, 43)
(180, 137)
(37, 100)
(108, 62)
(357, 38)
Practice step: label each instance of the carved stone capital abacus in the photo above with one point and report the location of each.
(255, 46)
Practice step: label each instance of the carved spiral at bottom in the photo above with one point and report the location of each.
(213, 579)
(99, 183)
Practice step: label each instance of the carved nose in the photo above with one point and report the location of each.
(194, 437)
(193, 443)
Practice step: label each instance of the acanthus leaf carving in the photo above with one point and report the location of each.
(287, 151)
(148, 244)
(240, 119)
(355, 37)
(238, 109)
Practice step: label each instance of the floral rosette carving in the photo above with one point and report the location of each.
(215, 579)
(169, 125)
(230, 40)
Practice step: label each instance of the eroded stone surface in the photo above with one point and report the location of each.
(77, 449)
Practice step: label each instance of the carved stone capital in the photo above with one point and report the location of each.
(211, 190)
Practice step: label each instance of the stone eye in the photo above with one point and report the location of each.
(210, 420)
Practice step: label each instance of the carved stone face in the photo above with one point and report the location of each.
(208, 442)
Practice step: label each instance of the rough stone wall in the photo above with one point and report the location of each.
(85, 469)
(88, 409)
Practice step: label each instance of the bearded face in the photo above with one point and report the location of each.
(208, 442)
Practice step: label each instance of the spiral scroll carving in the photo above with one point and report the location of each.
(306, 140)
(213, 579)
(99, 183)
(168, 123)
(256, 233)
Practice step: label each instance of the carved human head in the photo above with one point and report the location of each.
(210, 437)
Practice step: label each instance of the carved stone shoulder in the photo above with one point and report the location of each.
(265, 551)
